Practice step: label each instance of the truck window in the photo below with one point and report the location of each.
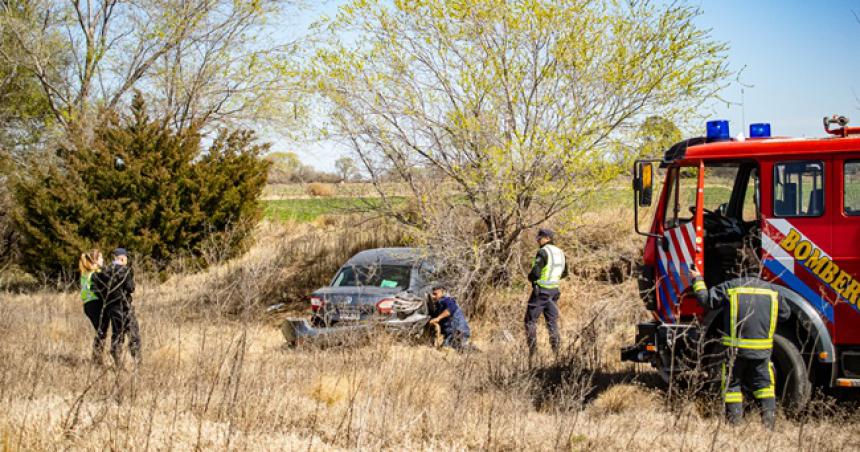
(719, 181)
(798, 189)
(682, 197)
(852, 187)
(752, 197)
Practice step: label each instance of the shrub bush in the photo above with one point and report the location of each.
(139, 185)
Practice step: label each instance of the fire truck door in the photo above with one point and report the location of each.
(679, 248)
(844, 251)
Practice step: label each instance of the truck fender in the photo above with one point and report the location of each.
(811, 320)
(807, 315)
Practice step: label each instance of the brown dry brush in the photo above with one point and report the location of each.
(285, 266)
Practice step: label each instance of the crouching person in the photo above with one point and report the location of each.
(452, 323)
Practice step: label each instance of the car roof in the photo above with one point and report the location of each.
(387, 256)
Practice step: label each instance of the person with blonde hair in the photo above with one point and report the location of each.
(90, 263)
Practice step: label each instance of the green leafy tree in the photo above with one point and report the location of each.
(516, 109)
(286, 167)
(140, 185)
(656, 135)
(346, 168)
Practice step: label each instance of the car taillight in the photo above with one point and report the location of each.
(385, 306)
(316, 303)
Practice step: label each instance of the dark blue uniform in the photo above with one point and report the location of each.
(751, 309)
(455, 328)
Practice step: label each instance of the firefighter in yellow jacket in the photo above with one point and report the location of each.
(751, 309)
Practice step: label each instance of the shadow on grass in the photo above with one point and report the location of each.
(562, 384)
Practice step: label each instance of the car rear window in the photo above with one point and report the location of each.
(385, 276)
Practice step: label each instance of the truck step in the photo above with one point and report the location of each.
(848, 382)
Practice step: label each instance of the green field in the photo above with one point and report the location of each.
(309, 209)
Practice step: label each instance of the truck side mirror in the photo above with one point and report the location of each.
(643, 183)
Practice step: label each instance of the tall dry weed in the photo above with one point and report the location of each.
(210, 381)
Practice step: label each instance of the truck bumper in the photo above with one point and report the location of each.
(655, 339)
(645, 348)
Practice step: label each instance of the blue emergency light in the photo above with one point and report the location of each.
(760, 130)
(718, 130)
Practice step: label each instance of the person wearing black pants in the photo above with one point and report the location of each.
(547, 271)
(115, 286)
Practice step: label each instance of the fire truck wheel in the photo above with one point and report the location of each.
(792, 381)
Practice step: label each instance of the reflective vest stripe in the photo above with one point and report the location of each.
(550, 275)
(755, 344)
(87, 293)
(732, 340)
(699, 286)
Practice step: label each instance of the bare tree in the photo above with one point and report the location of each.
(204, 61)
(502, 114)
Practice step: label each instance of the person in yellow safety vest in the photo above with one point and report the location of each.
(751, 309)
(548, 269)
(90, 263)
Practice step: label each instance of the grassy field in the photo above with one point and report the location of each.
(215, 381)
(308, 209)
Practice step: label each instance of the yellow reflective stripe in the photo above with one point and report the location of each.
(733, 316)
(774, 312)
(734, 397)
(699, 285)
(758, 344)
(770, 391)
(732, 339)
(766, 393)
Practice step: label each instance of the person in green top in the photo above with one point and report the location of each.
(90, 263)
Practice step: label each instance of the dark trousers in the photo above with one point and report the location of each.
(755, 376)
(542, 302)
(100, 320)
(124, 323)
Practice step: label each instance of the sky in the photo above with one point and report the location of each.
(796, 59)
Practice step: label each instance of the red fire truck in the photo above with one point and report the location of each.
(785, 209)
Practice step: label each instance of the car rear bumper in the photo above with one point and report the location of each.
(301, 331)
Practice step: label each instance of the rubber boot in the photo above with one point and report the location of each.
(734, 413)
(768, 412)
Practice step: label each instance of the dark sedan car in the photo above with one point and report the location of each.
(366, 284)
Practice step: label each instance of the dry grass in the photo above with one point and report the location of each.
(321, 190)
(215, 382)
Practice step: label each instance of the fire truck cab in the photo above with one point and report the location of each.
(787, 210)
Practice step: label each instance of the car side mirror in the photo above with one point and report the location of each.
(723, 209)
(643, 183)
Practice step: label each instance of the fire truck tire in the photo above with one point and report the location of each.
(792, 380)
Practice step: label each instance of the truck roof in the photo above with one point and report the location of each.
(700, 148)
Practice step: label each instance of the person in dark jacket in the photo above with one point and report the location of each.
(751, 309)
(114, 285)
(549, 267)
(452, 323)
